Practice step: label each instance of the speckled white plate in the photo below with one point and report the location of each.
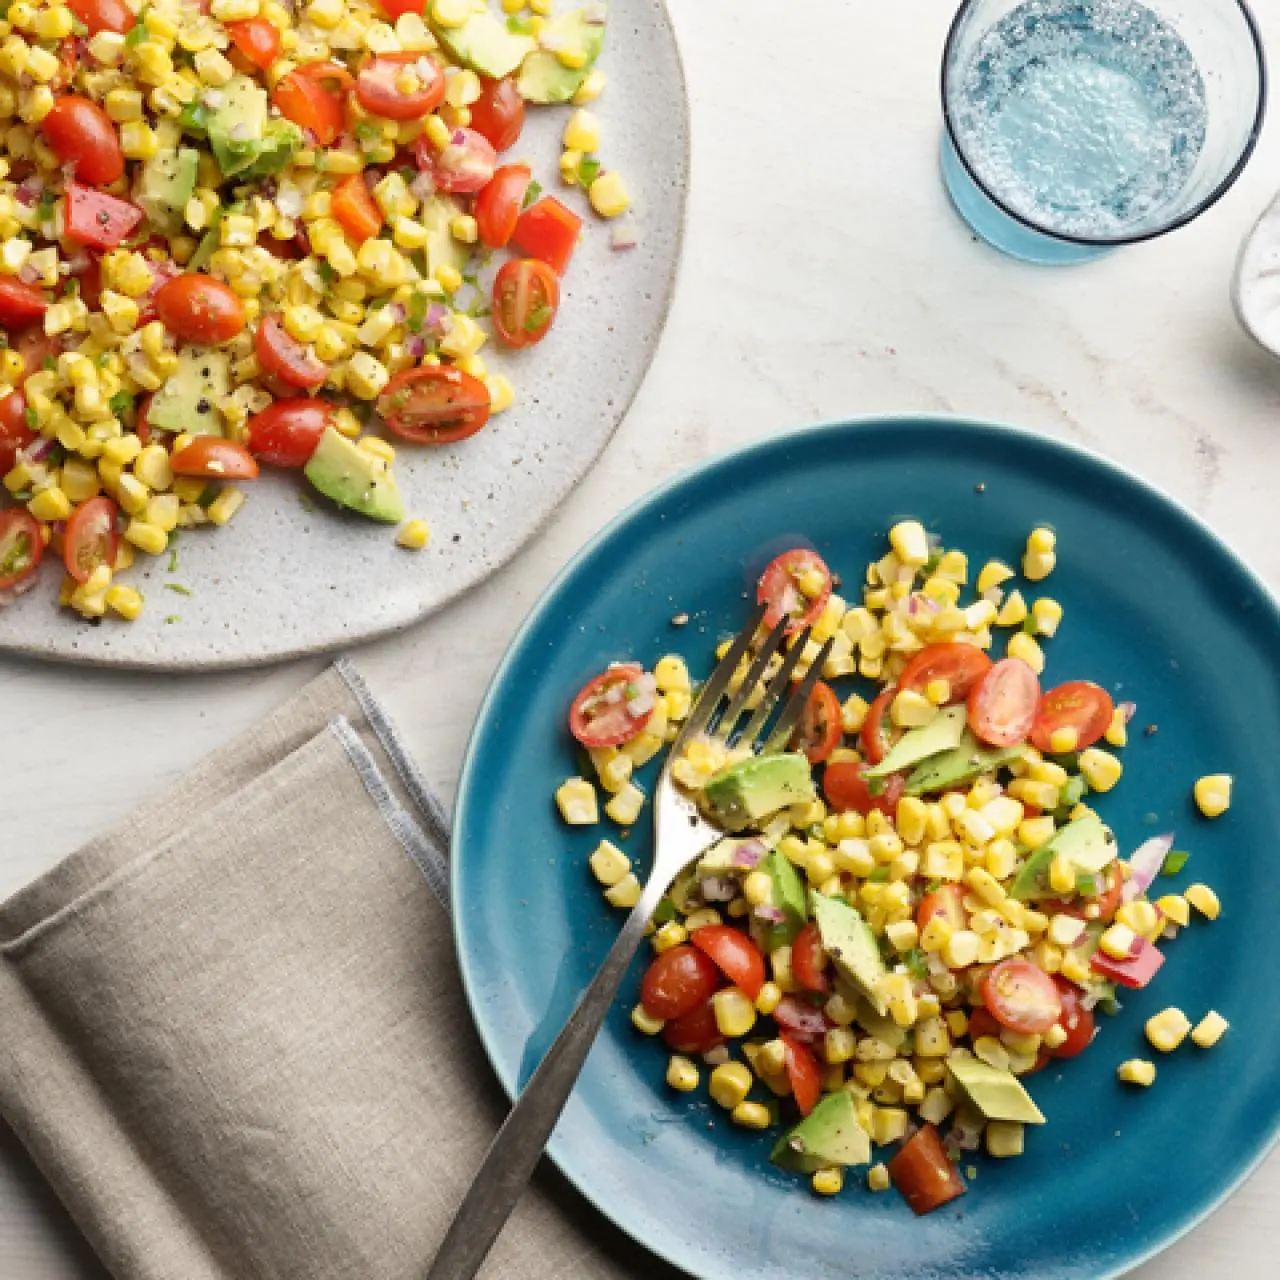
(293, 575)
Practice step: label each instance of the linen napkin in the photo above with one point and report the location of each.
(233, 1035)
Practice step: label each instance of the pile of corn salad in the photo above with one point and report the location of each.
(240, 232)
(887, 962)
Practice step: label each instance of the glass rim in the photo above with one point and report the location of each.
(1230, 179)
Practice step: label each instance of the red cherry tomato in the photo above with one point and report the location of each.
(379, 93)
(809, 960)
(779, 592)
(466, 164)
(20, 303)
(82, 136)
(286, 433)
(257, 39)
(677, 982)
(738, 958)
(434, 405)
(801, 1020)
(498, 113)
(1002, 705)
(498, 206)
(333, 76)
(960, 665)
(981, 1023)
(355, 209)
(602, 714)
(103, 15)
(1106, 901)
(1021, 997)
(848, 791)
(15, 431)
(198, 308)
(526, 295)
(803, 1073)
(548, 231)
(878, 733)
(695, 1032)
(21, 546)
(1075, 1020)
(215, 459)
(818, 733)
(922, 1172)
(91, 537)
(302, 99)
(97, 219)
(394, 8)
(284, 357)
(946, 901)
(1076, 705)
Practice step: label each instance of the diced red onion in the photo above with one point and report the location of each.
(28, 274)
(719, 889)
(770, 914)
(748, 854)
(459, 138)
(423, 186)
(416, 346)
(1145, 865)
(437, 315)
(595, 14)
(289, 200)
(625, 235)
(29, 191)
(396, 310)
(39, 450)
(716, 1057)
(1128, 710)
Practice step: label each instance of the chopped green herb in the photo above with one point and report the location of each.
(932, 563)
(417, 313)
(1177, 859)
(879, 875)
(173, 552)
(48, 364)
(1029, 625)
(101, 359)
(32, 417)
(664, 912)
(914, 961)
(588, 170)
(45, 208)
(408, 175)
(120, 404)
(531, 193)
(519, 26)
(327, 273)
(77, 27)
(178, 588)
(376, 304)
(137, 34)
(367, 133)
(876, 786)
(173, 617)
(305, 503)
(4, 9)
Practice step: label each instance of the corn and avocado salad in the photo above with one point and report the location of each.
(915, 907)
(237, 233)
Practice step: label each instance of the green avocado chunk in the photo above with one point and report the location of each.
(443, 249)
(189, 399)
(543, 77)
(997, 1094)
(485, 45)
(943, 733)
(238, 125)
(281, 140)
(725, 857)
(1086, 844)
(166, 183)
(848, 940)
(969, 760)
(743, 794)
(354, 478)
(829, 1134)
(787, 894)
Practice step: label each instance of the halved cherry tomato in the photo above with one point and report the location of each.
(434, 405)
(801, 1020)
(1022, 997)
(946, 901)
(378, 90)
(198, 308)
(214, 458)
(803, 1073)
(33, 345)
(878, 733)
(356, 209)
(1002, 705)
(21, 546)
(1076, 705)
(526, 295)
(738, 958)
(1075, 1020)
(922, 1172)
(677, 982)
(161, 274)
(103, 15)
(498, 206)
(548, 231)
(818, 733)
(847, 791)
(310, 106)
(602, 714)
(15, 431)
(284, 357)
(257, 40)
(82, 136)
(286, 433)
(91, 537)
(339, 80)
(778, 590)
(981, 1023)
(695, 1032)
(498, 113)
(466, 164)
(960, 665)
(20, 303)
(97, 219)
(809, 960)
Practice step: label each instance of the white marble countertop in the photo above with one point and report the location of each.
(824, 275)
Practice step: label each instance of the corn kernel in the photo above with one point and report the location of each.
(450, 13)
(1137, 1071)
(1209, 1030)
(146, 537)
(751, 1115)
(1213, 794)
(1100, 769)
(608, 195)
(672, 934)
(1168, 1029)
(1204, 900)
(576, 800)
(625, 805)
(1047, 615)
(1004, 1138)
(645, 1022)
(735, 1014)
(961, 949)
(1174, 907)
(590, 89)
(1025, 647)
(729, 1084)
(124, 601)
(625, 894)
(682, 1074)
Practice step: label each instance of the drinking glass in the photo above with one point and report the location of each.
(1076, 126)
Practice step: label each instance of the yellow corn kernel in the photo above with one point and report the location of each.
(936, 934)
(993, 574)
(1209, 1030)
(413, 535)
(1044, 795)
(1168, 1029)
(225, 505)
(590, 89)
(1064, 740)
(769, 998)
(682, 1074)
(1174, 907)
(576, 800)
(828, 1182)
(961, 949)
(1040, 541)
(608, 194)
(1204, 900)
(839, 1044)
(450, 13)
(645, 1022)
(878, 1178)
(1047, 615)
(729, 1084)
(1025, 647)
(624, 808)
(1100, 769)
(751, 1115)
(625, 894)
(735, 1014)
(1117, 734)
(911, 710)
(1013, 611)
(1213, 794)
(133, 496)
(1137, 1071)
(50, 504)
(910, 543)
(1004, 1138)
(608, 863)
(146, 537)
(124, 601)
(1140, 916)
(671, 934)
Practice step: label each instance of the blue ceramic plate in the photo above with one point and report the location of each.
(1157, 610)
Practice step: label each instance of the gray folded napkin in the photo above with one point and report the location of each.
(233, 1034)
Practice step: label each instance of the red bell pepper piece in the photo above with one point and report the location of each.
(1135, 970)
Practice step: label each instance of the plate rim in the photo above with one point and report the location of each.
(649, 500)
(457, 589)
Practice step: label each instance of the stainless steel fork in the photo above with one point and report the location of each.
(681, 834)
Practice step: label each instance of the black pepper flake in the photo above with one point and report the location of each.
(203, 406)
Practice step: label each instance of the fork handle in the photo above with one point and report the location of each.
(514, 1152)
